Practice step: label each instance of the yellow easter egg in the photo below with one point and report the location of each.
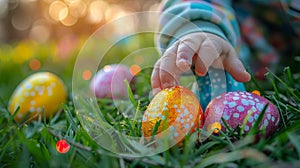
(176, 108)
(38, 92)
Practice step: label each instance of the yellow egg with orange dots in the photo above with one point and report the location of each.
(42, 92)
(176, 109)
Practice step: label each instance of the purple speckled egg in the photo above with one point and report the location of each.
(241, 107)
(109, 82)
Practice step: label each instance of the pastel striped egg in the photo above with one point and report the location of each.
(40, 91)
(178, 111)
(241, 107)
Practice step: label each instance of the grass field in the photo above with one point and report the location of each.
(33, 144)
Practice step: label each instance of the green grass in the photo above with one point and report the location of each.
(33, 144)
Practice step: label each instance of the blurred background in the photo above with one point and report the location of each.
(43, 20)
(46, 35)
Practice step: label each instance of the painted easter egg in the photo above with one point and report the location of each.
(109, 82)
(237, 108)
(40, 91)
(176, 109)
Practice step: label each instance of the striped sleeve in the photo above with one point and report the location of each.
(181, 17)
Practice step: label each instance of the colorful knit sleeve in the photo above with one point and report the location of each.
(181, 17)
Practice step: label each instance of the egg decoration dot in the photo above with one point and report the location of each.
(42, 91)
(241, 109)
(109, 82)
(62, 146)
(176, 109)
(256, 92)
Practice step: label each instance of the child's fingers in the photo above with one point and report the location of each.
(168, 72)
(155, 81)
(234, 66)
(207, 54)
(185, 55)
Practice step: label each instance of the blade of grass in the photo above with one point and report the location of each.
(295, 141)
(130, 95)
(293, 109)
(233, 156)
(281, 112)
(255, 128)
(16, 112)
(131, 127)
(288, 73)
(249, 113)
(69, 116)
(155, 128)
(228, 128)
(285, 85)
(268, 75)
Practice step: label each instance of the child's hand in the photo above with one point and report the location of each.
(201, 49)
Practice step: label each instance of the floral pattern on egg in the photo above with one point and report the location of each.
(38, 92)
(234, 107)
(179, 111)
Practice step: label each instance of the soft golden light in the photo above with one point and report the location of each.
(40, 31)
(58, 10)
(69, 20)
(114, 12)
(78, 8)
(135, 69)
(97, 10)
(71, 1)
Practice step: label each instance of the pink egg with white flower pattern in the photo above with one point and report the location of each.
(109, 82)
(241, 109)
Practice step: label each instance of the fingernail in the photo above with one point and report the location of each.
(199, 73)
(185, 61)
(248, 74)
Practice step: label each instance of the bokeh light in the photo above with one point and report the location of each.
(135, 69)
(44, 20)
(34, 64)
(97, 11)
(86, 75)
(106, 68)
(77, 8)
(23, 52)
(69, 20)
(21, 21)
(40, 31)
(3, 8)
(58, 10)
